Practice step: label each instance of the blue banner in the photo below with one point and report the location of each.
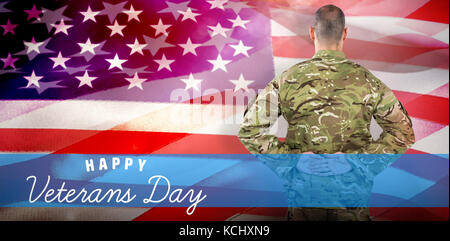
(293, 180)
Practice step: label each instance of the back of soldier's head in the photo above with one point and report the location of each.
(329, 24)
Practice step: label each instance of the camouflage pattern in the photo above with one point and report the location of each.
(328, 102)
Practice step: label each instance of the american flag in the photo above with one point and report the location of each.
(77, 76)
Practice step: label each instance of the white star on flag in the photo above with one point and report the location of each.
(88, 46)
(43, 86)
(85, 79)
(116, 62)
(33, 79)
(188, 14)
(135, 81)
(112, 10)
(89, 15)
(154, 45)
(240, 48)
(219, 63)
(164, 63)
(241, 83)
(33, 46)
(136, 47)
(61, 27)
(191, 82)
(238, 22)
(133, 14)
(52, 16)
(161, 27)
(218, 29)
(189, 47)
(174, 8)
(217, 4)
(116, 28)
(59, 60)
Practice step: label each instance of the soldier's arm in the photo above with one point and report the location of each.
(260, 116)
(398, 134)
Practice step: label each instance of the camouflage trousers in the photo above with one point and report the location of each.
(328, 214)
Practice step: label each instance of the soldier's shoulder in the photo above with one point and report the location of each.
(296, 70)
(364, 71)
(351, 65)
(366, 75)
(299, 67)
(316, 64)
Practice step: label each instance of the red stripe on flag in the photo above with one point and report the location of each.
(414, 151)
(205, 144)
(179, 214)
(434, 10)
(61, 141)
(410, 213)
(274, 212)
(224, 213)
(123, 142)
(427, 107)
(405, 97)
(40, 140)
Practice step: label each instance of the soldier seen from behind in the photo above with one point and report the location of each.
(328, 102)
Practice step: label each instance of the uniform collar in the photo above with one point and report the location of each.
(329, 54)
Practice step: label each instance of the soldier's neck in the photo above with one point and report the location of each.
(337, 47)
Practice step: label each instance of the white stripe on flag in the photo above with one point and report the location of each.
(436, 143)
(442, 36)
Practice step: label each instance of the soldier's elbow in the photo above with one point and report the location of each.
(410, 141)
(412, 137)
(243, 136)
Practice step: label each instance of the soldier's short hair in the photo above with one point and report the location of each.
(329, 24)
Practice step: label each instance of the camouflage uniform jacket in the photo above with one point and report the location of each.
(328, 102)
